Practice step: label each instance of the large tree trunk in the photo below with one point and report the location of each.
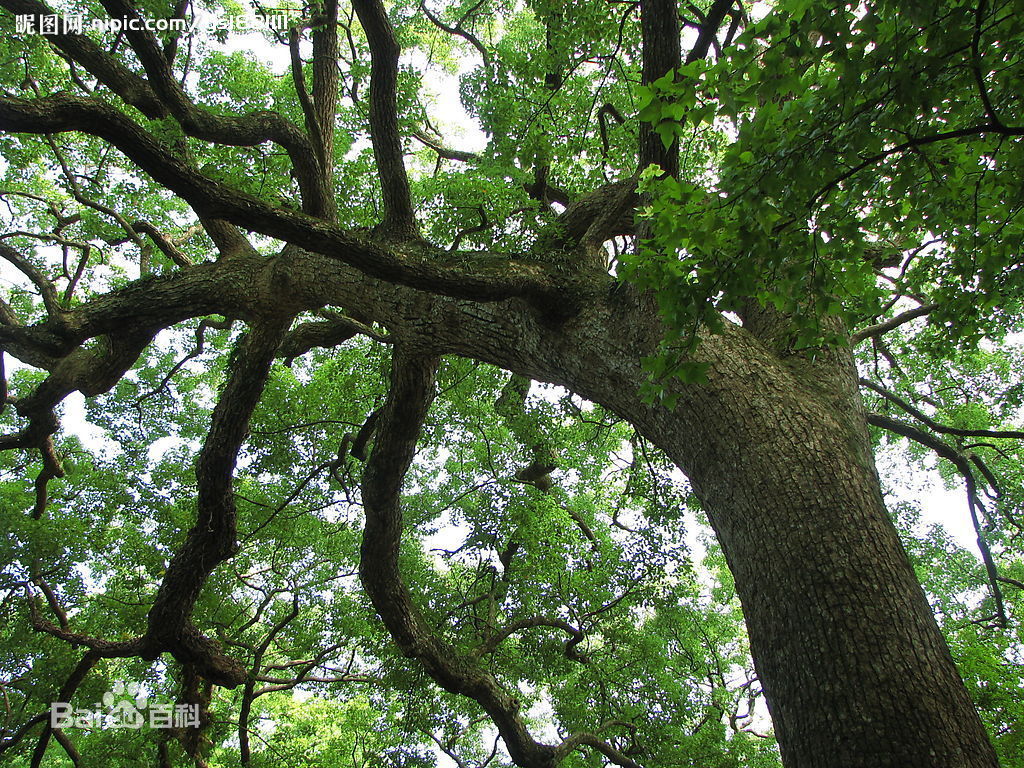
(854, 668)
(853, 665)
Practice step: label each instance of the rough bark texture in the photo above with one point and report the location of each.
(659, 24)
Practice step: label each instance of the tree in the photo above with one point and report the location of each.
(698, 219)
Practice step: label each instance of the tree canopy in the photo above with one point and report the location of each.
(534, 435)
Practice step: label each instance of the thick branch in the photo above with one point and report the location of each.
(894, 322)
(168, 248)
(325, 90)
(213, 537)
(659, 24)
(423, 268)
(90, 371)
(399, 218)
(709, 29)
(319, 111)
(412, 389)
(162, 96)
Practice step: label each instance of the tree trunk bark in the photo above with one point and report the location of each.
(855, 670)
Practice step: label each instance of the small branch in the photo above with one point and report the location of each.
(197, 350)
(592, 740)
(975, 131)
(69, 747)
(327, 334)
(884, 327)
(52, 601)
(458, 31)
(444, 151)
(973, 502)
(1011, 582)
(168, 248)
(931, 423)
(245, 753)
(979, 78)
(67, 691)
(47, 291)
(576, 636)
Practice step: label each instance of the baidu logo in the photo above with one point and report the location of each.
(124, 706)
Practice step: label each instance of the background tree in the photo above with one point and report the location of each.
(316, 340)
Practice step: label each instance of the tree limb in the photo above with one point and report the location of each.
(431, 270)
(894, 322)
(412, 384)
(931, 423)
(213, 537)
(973, 501)
(399, 221)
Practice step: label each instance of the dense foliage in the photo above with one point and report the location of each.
(854, 168)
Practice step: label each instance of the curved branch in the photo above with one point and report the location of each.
(973, 501)
(67, 691)
(162, 96)
(977, 131)
(90, 371)
(52, 468)
(412, 389)
(606, 749)
(931, 423)
(47, 291)
(894, 322)
(458, 31)
(576, 636)
(213, 537)
(416, 267)
(399, 221)
(336, 330)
